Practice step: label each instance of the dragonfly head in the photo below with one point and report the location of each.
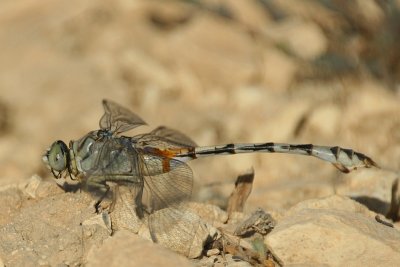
(57, 158)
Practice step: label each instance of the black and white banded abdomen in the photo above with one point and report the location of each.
(344, 159)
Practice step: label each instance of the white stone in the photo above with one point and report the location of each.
(32, 186)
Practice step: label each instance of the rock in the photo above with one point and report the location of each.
(128, 249)
(246, 97)
(370, 106)
(336, 202)
(50, 230)
(212, 252)
(222, 261)
(278, 70)
(284, 194)
(14, 199)
(283, 124)
(371, 187)
(186, 235)
(249, 13)
(370, 98)
(370, 12)
(305, 39)
(15, 195)
(32, 186)
(324, 120)
(259, 221)
(209, 213)
(167, 17)
(212, 37)
(231, 261)
(334, 231)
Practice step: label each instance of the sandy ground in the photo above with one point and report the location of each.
(220, 72)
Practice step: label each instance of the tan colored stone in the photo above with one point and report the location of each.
(369, 98)
(127, 249)
(278, 69)
(32, 186)
(250, 14)
(50, 230)
(371, 11)
(284, 194)
(334, 231)
(303, 38)
(219, 54)
(282, 125)
(325, 120)
(371, 187)
(209, 213)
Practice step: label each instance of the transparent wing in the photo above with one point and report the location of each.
(165, 195)
(118, 119)
(164, 138)
(167, 181)
(173, 136)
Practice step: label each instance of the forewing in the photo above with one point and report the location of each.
(164, 138)
(173, 136)
(118, 119)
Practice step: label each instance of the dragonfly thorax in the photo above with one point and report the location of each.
(104, 133)
(83, 152)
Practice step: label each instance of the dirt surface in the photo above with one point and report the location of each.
(320, 72)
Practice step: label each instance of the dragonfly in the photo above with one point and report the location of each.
(154, 165)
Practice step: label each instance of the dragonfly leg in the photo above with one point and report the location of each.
(98, 186)
(115, 194)
(98, 203)
(139, 204)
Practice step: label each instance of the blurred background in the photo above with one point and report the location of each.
(314, 71)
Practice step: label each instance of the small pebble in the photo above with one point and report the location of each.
(212, 252)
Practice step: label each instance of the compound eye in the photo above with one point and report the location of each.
(57, 156)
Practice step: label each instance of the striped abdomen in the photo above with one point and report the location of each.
(344, 159)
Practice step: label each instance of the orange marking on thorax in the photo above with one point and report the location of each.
(168, 154)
